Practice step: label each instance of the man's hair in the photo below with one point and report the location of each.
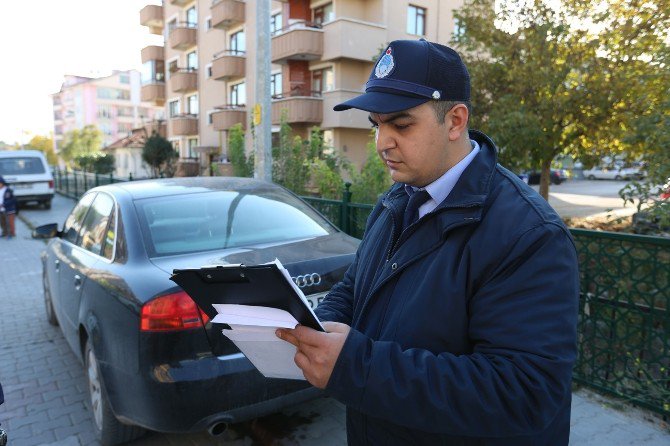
(441, 108)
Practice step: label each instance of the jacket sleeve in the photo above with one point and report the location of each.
(522, 325)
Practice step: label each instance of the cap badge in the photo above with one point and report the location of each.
(436, 95)
(385, 64)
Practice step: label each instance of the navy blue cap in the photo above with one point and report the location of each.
(409, 73)
(2, 180)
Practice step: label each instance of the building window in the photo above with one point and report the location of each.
(176, 146)
(172, 67)
(209, 70)
(416, 20)
(124, 78)
(210, 117)
(191, 17)
(237, 43)
(113, 93)
(323, 80)
(275, 23)
(208, 23)
(192, 104)
(153, 71)
(323, 14)
(192, 144)
(238, 94)
(275, 85)
(192, 61)
(173, 107)
(172, 24)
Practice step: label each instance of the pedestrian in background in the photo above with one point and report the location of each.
(456, 322)
(8, 208)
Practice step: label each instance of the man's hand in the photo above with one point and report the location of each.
(317, 351)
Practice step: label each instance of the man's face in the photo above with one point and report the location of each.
(412, 144)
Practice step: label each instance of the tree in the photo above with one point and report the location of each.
(159, 155)
(102, 163)
(85, 141)
(44, 144)
(243, 166)
(565, 77)
(373, 178)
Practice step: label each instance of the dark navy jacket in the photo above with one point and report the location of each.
(9, 202)
(463, 326)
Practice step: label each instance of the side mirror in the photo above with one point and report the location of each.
(46, 231)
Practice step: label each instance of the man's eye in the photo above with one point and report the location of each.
(401, 126)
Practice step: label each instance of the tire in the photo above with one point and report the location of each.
(47, 204)
(48, 303)
(618, 178)
(591, 177)
(108, 430)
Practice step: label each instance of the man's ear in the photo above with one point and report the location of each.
(457, 120)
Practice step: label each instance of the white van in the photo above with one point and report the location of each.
(28, 174)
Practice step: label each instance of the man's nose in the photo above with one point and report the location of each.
(384, 139)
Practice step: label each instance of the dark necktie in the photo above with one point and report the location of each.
(418, 198)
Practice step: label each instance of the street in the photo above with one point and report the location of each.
(45, 385)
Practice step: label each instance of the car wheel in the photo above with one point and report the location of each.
(108, 429)
(591, 177)
(48, 303)
(618, 178)
(47, 204)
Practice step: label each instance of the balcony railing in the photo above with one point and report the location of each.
(229, 115)
(184, 80)
(153, 92)
(152, 52)
(152, 16)
(229, 64)
(299, 106)
(183, 35)
(184, 125)
(227, 13)
(299, 41)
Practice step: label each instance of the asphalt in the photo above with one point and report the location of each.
(45, 386)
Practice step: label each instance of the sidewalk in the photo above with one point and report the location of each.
(45, 386)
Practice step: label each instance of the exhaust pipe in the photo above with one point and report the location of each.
(218, 428)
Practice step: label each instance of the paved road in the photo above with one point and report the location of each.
(45, 387)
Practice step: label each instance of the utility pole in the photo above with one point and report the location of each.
(262, 115)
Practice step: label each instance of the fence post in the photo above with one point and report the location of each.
(97, 181)
(130, 176)
(74, 179)
(67, 184)
(344, 210)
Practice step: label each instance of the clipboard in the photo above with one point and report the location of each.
(263, 285)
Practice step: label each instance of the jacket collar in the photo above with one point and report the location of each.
(471, 189)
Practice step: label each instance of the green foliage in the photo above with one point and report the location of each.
(160, 156)
(243, 166)
(78, 142)
(569, 78)
(291, 159)
(44, 144)
(102, 163)
(373, 179)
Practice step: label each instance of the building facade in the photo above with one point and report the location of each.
(322, 54)
(111, 103)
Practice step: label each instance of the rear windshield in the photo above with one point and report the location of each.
(225, 219)
(21, 165)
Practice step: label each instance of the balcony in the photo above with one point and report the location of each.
(184, 125)
(300, 41)
(152, 16)
(229, 115)
(227, 13)
(352, 39)
(153, 92)
(228, 65)
(152, 52)
(156, 126)
(182, 36)
(184, 80)
(299, 107)
(180, 2)
(353, 119)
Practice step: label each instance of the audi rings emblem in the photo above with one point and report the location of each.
(307, 280)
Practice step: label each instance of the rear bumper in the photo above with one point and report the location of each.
(33, 197)
(192, 395)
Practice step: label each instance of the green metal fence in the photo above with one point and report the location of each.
(624, 318)
(624, 312)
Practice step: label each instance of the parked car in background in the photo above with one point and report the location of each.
(614, 173)
(28, 173)
(556, 176)
(153, 359)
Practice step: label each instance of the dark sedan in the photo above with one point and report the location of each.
(556, 176)
(153, 358)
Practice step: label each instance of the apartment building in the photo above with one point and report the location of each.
(322, 53)
(111, 103)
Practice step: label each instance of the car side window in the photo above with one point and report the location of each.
(94, 228)
(110, 237)
(74, 221)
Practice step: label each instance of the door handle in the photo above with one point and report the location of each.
(77, 281)
(57, 263)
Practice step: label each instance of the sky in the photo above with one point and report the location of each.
(43, 40)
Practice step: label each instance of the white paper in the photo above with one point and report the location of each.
(269, 354)
(233, 314)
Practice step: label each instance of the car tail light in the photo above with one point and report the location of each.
(171, 312)
(51, 184)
